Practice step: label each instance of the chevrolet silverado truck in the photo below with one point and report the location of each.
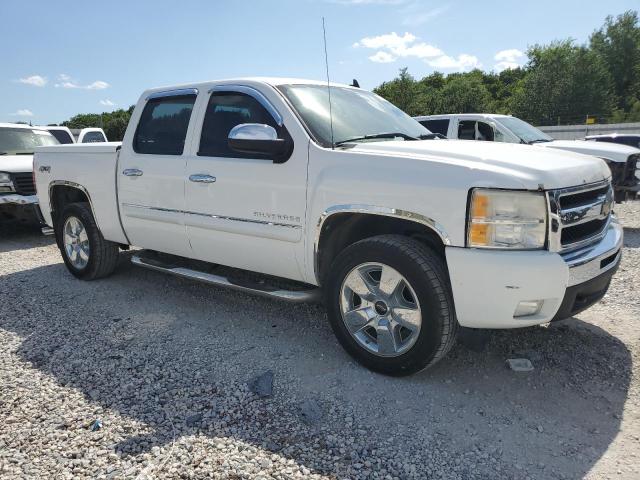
(18, 200)
(259, 185)
(623, 160)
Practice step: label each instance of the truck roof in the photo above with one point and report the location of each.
(20, 125)
(272, 81)
(449, 115)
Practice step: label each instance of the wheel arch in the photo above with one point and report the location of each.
(63, 192)
(342, 225)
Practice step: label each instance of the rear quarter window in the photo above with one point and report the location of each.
(62, 136)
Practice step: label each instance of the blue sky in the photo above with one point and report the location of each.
(66, 57)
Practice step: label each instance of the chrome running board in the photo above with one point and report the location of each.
(298, 296)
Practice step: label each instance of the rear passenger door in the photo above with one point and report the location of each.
(151, 173)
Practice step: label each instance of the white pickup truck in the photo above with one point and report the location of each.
(256, 184)
(623, 160)
(18, 200)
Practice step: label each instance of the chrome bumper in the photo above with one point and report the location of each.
(589, 262)
(15, 199)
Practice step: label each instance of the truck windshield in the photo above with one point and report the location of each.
(524, 131)
(22, 141)
(357, 114)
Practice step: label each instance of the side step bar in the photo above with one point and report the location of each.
(297, 296)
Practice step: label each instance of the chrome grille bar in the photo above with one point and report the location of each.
(588, 205)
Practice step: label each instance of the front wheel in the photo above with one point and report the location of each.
(85, 252)
(390, 304)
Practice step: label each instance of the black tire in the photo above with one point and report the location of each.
(426, 273)
(103, 254)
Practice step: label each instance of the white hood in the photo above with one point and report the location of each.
(610, 151)
(16, 163)
(530, 167)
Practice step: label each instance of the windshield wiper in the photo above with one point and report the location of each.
(4, 153)
(431, 136)
(538, 140)
(376, 135)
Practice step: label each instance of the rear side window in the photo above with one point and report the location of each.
(162, 128)
(225, 111)
(440, 126)
(62, 136)
(93, 137)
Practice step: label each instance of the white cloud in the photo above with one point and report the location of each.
(382, 57)
(400, 46)
(367, 2)
(392, 46)
(35, 80)
(107, 103)
(97, 85)
(510, 58)
(23, 112)
(415, 16)
(462, 62)
(68, 82)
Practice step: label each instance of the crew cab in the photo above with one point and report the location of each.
(257, 184)
(622, 160)
(18, 200)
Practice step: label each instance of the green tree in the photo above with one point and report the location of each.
(563, 80)
(401, 91)
(617, 44)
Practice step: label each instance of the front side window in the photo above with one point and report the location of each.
(355, 113)
(162, 128)
(62, 136)
(225, 111)
(22, 141)
(440, 126)
(93, 137)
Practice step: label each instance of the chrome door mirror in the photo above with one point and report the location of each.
(257, 138)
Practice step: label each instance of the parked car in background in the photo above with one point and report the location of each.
(403, 236)
(89, 135)
(62, 134)
(630, 139)
(18, 198)
(623, 160)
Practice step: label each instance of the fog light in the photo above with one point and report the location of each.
(528, 307)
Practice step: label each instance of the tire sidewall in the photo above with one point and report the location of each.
(424, 284)
(85, 217)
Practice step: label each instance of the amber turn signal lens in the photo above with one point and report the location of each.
(479, 233)
(480, 205)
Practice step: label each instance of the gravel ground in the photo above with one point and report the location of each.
(144, 375)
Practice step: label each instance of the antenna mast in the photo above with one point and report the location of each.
(326, 62)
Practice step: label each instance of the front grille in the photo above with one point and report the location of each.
(579, 215)
(23, 183)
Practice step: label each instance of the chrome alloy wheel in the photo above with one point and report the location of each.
(380, 309)
(76, 242)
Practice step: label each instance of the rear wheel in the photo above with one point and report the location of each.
(390, 304)
(85, 252)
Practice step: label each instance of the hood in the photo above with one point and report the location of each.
(16, 163)
(527, 167)
(613, 152)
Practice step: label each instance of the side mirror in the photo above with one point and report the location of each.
(257, 138)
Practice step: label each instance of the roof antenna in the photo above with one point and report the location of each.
(355, 83)
(326, 62)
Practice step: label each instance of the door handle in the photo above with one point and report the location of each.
(132, 172)
(201, 178)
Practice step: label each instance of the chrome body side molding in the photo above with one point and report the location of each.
(373, 210)
(296, 296)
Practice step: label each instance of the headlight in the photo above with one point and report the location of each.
(4, 177)
(6, 186)
(507, 219)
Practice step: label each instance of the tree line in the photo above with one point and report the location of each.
(562, 82)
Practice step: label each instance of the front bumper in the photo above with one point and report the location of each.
(15, 199)
(488, 285)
